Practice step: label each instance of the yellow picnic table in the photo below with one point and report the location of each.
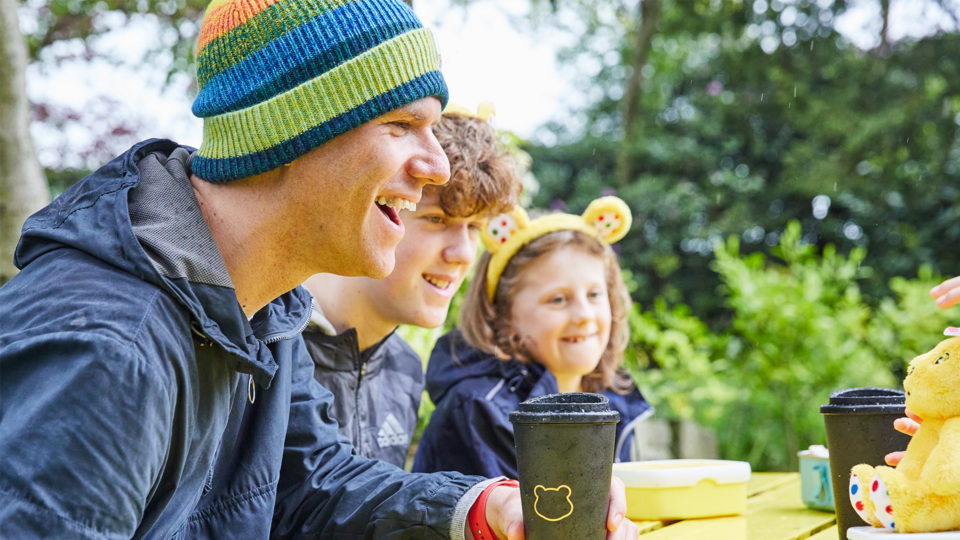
(774, 512)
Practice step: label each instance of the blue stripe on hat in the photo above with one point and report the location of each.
(243, 166)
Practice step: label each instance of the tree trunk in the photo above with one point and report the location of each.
(885, 28)
(23, 188)
(649, 17)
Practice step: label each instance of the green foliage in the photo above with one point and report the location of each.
(801, 331)
(61, 20)
(797, 329)
(678, 364)
(908, 324)
(746, 117)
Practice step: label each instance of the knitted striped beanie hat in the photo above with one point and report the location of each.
(277, 78)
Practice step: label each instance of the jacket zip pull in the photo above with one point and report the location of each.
(251, 390)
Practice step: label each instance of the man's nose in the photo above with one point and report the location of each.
(430, 165)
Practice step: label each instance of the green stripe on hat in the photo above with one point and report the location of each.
(345, 87)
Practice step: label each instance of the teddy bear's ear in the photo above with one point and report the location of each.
(500, 228)
(538, 489)
(564, 490)
(610, 216)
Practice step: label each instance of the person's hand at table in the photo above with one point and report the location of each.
(947, 293)
(505, 517)
(906, 425)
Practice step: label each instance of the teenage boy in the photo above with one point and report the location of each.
(376, 378)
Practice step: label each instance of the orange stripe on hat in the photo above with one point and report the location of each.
(223, 16)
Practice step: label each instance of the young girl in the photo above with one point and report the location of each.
(546, 312)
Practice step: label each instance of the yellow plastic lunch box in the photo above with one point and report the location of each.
(684, 488)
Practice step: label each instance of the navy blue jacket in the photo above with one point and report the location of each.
(474, 393)
(126, 368)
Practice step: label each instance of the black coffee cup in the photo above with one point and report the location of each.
(565, 445)
(859, 423)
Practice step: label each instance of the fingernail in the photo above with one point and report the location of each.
(617, 520)
(933, 291)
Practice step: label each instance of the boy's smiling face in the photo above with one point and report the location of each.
(432, 260)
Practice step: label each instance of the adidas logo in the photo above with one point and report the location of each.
(391, 433)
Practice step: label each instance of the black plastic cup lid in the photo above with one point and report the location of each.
(865, 401)
(568, 408)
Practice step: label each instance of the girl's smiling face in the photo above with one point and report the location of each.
(561, 310)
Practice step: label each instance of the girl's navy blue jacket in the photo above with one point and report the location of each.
(474, 393)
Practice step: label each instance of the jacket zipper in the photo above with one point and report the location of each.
(357, 405)
(252, 387)
(288, 335)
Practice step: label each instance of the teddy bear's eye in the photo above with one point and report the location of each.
(940, 359)
(909, 370)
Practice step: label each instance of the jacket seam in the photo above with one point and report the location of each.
(40, 508)
(224, 503)
(60, 221)
(137, 334)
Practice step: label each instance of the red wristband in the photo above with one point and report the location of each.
(477, 517)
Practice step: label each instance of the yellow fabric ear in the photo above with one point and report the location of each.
(501, 228)
(485, 111)
(607, 219)
(610, 216)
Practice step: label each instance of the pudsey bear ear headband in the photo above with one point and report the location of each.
(607, 219)
(485, 111)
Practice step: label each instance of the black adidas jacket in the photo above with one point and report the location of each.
(376, 391)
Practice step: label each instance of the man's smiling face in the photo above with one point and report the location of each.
(347, 194)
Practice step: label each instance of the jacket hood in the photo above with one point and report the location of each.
(454, 360)
(139, 214)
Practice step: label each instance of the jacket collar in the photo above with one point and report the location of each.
(341, 352)
(113, 216)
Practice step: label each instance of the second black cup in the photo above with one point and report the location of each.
(859, 424)
(565, 445)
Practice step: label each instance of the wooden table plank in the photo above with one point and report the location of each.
(780, 513)
(827, 534)
(724, 528)
(765, 481)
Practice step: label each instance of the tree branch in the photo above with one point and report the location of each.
(649, 18)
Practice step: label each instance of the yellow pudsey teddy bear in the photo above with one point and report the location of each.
(922, 494)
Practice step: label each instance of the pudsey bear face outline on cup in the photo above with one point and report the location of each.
(563, 490)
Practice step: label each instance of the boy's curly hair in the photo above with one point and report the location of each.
(484, 179)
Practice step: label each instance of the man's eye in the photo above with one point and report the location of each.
(434, 219)
(594, 294)
(555, 300)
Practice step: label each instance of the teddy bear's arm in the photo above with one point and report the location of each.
(918, 450)
(941, 471)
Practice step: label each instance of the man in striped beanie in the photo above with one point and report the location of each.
(154, 380)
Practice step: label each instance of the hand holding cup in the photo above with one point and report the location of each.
(506, 518)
